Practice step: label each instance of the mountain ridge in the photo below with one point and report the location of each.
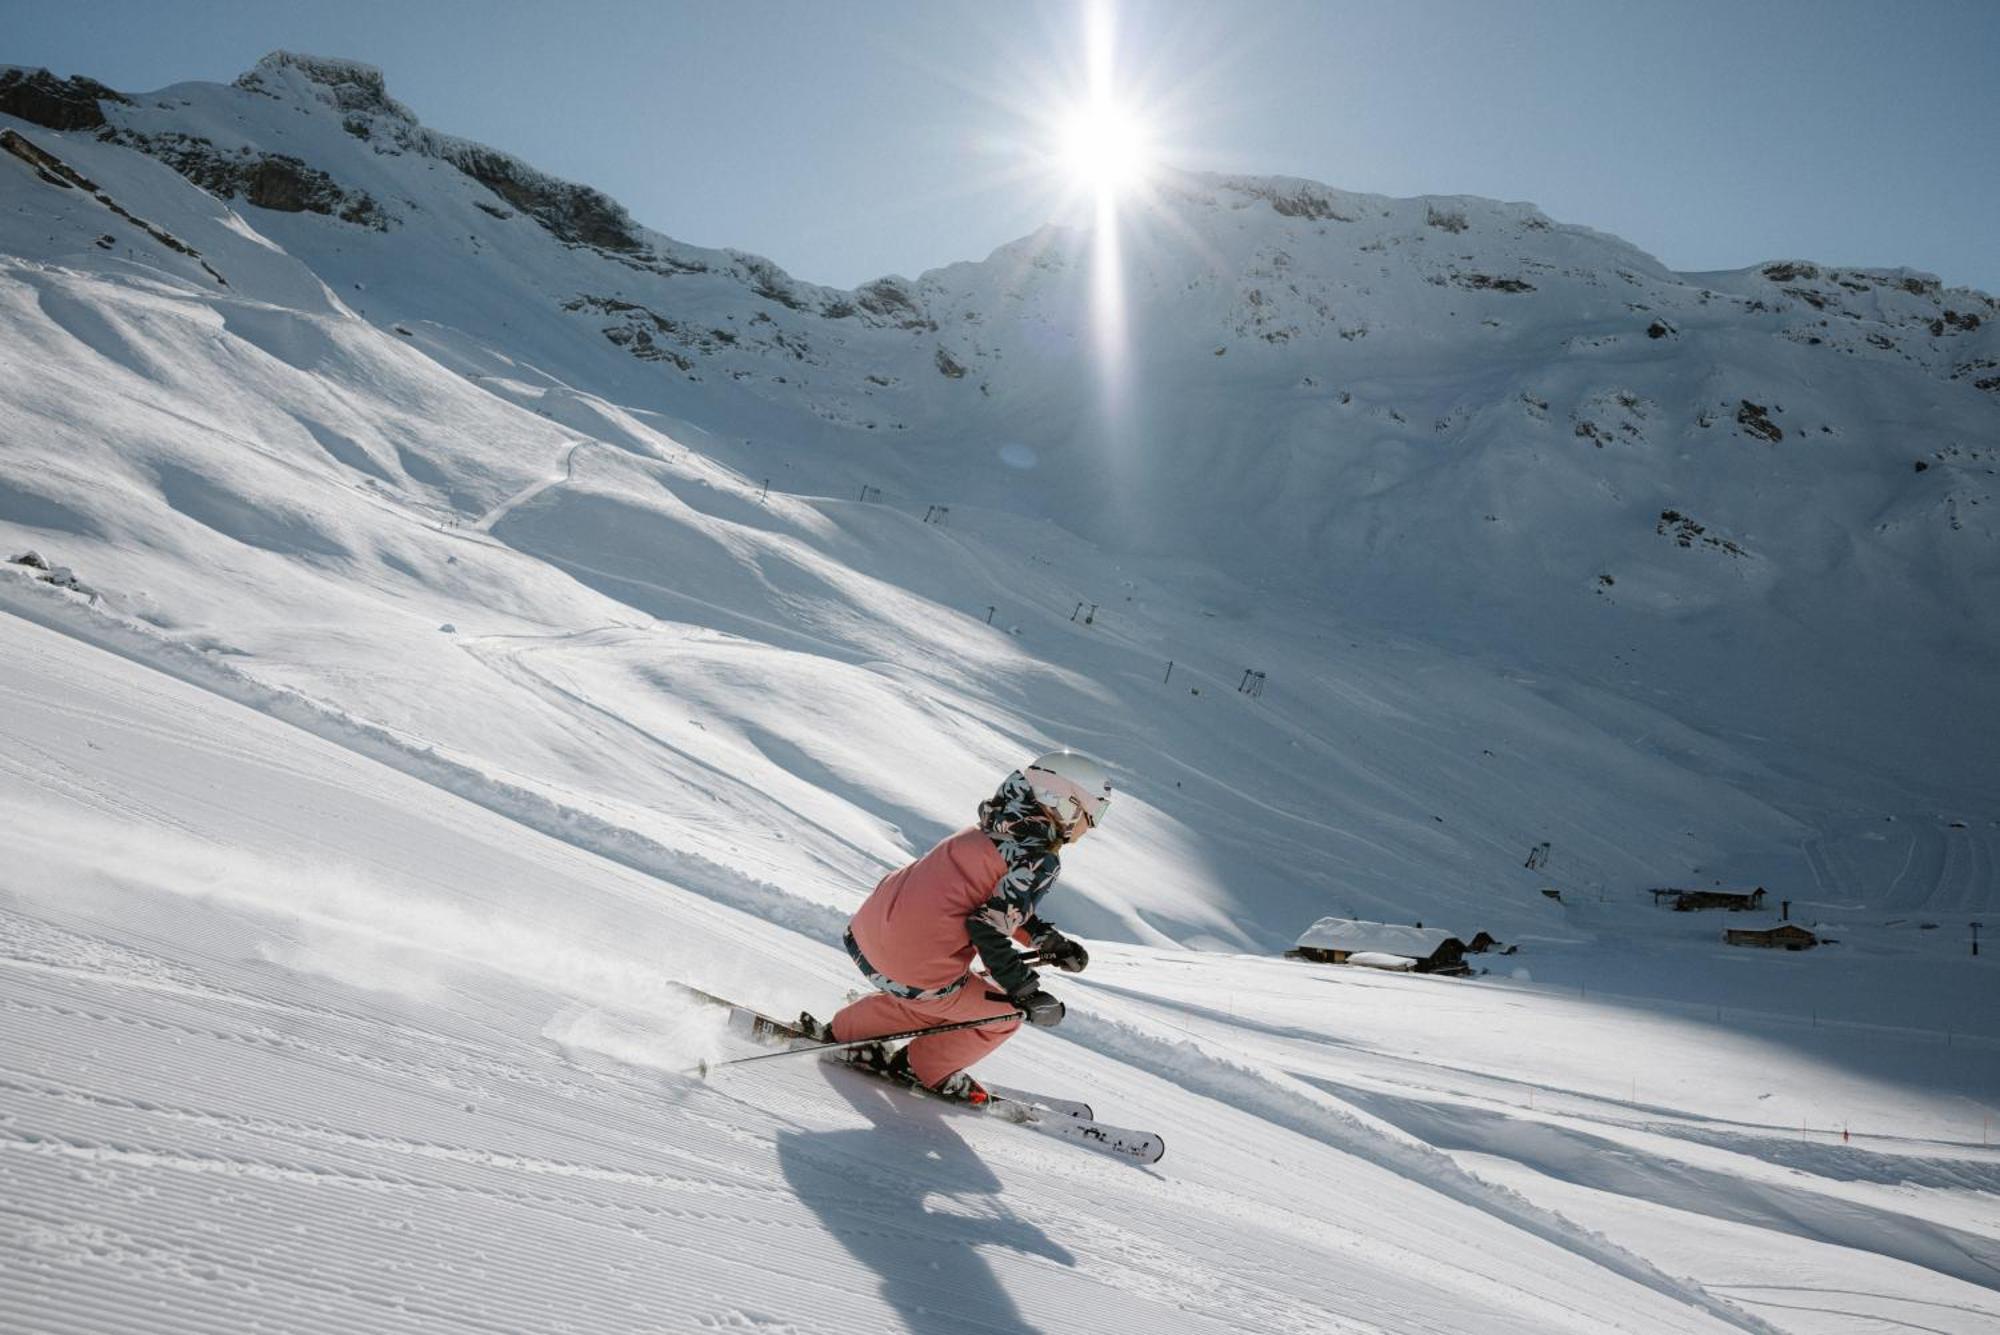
(36, 94)
(1447, 419)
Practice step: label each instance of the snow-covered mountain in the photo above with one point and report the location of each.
(708, 595)
(1744, 518)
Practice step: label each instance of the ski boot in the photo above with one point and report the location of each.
(874, 1057)
(958, 1086)
(962, 1088)
(814, 1033)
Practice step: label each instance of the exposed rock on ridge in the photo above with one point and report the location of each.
(573, 213)
(60, 174)
(40, 98)
(275, 181)
(576, 214)
(347, 84)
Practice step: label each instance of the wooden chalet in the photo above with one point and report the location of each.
(1381, 945)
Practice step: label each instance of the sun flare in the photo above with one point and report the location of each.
(1103, 147)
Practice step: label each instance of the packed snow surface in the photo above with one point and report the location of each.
(460, 621)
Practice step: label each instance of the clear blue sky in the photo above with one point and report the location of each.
(846, 140)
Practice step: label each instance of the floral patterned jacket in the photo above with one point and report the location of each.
(1028, 840)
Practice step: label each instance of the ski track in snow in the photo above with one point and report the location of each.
(160, 1153)
(1268, 1094)
(485, 522)
(124, 1123)
(427, 765)
(214, 1147)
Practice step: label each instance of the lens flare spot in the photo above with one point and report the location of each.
(1104, 147)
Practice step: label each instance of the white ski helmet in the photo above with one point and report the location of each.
(1074, 787)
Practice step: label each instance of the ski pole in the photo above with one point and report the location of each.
(706, 1067)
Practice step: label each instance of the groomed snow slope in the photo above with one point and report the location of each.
(296, 1041)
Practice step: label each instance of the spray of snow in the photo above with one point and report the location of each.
(339, 921)
(677, 1044)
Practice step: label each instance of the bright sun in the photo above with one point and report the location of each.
(1104, 147)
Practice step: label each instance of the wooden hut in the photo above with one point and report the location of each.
(1381, 945)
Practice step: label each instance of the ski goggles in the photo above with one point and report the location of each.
(1077, 810)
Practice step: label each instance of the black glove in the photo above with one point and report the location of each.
(1039, 1007)
(1060, 952)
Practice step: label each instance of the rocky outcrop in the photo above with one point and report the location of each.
(54, 171)
(643, 332)
(768, 281)
(60, 576)
(347, 84)
(274, 181)
(1685, 532)
(1481, 282)
(891, 301)
(1293, 199)
(1446, 219)
(1755, 419)
(573, 213)
(1791, 271)
(576, 214)
(40, 98)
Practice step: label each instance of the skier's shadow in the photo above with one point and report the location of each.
(870, 1186)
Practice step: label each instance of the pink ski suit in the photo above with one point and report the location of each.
(915, 936)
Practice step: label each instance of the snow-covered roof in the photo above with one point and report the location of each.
(1375, 959)
(1382, 937)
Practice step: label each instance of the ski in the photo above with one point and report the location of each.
(1042, 1114)
(1067, 1107)
(1145, 1147)
(1065, 1119)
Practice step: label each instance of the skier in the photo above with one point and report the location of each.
(977, 892)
